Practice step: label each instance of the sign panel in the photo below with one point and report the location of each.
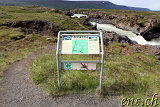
(82, 44)
(80, 66)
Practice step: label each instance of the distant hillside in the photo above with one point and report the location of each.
(59, 4)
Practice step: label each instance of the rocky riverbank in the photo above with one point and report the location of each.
(149, 30)
(148, 27)
(48, 28)
(129, 45)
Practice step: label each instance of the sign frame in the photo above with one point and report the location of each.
(87, 33)
(96, 62)
(78, 35)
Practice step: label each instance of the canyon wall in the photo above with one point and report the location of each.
(149, 28)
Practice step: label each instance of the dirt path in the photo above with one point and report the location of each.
(17, 90)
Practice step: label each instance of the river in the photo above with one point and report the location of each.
(111, 28)
(138, 38)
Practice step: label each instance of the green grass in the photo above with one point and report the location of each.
(44, 72)
(12, 50)
(13, 13)
(136, 75)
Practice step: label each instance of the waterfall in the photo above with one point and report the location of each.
(138, 38)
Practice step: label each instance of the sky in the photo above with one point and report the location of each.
(151, 4)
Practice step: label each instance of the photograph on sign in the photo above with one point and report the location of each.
(80, 44)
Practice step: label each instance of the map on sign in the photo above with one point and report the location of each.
(80, 44)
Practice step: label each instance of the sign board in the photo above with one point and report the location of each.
(80, 44)
(80, 66)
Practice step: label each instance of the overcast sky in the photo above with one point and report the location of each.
(151, 4)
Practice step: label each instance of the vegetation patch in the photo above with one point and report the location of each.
(15, 45)
(130, 76)
(61, 21)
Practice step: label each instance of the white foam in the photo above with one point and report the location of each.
(79, 15)
(138, 38)
(93, 23)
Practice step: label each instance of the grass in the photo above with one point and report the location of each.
(44, 72)
(12, 50)
(136, 75)
(13, 13)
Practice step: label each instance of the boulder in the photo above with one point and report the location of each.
(68, 13)
(86, 21)
(110, 37)
(146, 49)
(154, 33)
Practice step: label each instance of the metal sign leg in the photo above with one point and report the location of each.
(101, 75)
(58, 67)
(102, 61)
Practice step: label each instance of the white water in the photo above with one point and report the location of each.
(79, 15)
(138, 38)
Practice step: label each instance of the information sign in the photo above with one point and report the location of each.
(80, 44)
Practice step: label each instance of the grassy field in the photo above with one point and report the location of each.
(134, 76)
(11, 49)
(12, 14)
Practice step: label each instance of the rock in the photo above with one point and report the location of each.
(149, 29)
(110, 37)
(86, 21)
(68, 13)
(33, 26)
(158, 57)
(156, 50)
(17, 37)
(148, 50)
(154, 33)
(48, 39)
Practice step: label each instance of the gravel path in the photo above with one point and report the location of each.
(17, 90)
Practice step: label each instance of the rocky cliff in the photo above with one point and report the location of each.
(148, 27)
(33, 26)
